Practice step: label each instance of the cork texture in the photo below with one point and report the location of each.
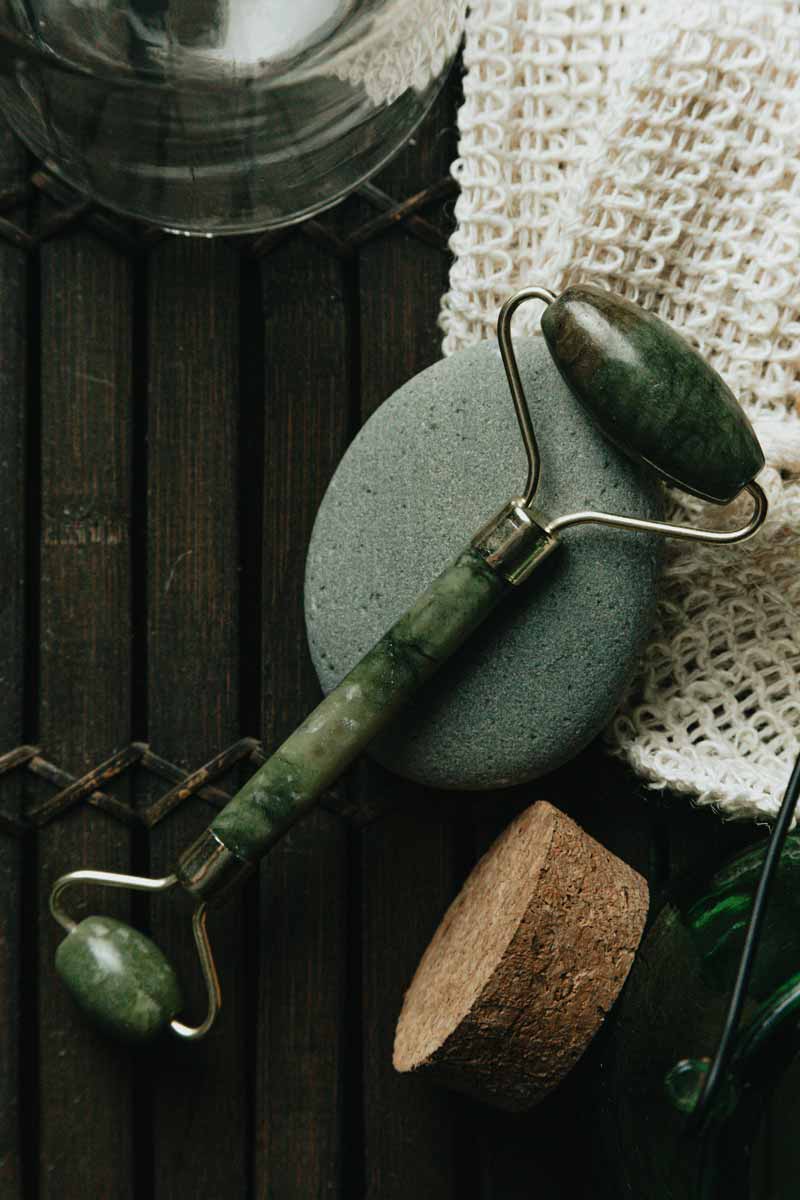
(525, 965)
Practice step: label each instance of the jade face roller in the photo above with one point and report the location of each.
(651, 394)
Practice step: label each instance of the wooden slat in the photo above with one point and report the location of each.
(199, 1096)
(303, 913)
(513, 1150)
(522, 1156)
(13, 382)
(408, 859)
(410, 874)
(84, 678)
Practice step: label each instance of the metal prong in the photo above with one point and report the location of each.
(207, 966)
(515, 383)
(139, 883)
(685, 532)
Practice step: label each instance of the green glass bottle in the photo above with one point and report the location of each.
(666, 1031)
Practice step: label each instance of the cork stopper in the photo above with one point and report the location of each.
(526, 963)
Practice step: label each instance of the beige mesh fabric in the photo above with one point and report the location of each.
(406, 44)
(654, 148)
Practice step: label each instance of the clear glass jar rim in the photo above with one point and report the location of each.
(363, 34)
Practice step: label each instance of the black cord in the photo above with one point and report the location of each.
(753, 936)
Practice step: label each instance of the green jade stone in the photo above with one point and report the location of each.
(651, 393)
(119, 978)
(339, 728)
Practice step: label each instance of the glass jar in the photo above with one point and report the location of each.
(221, 116)
(667, 1026)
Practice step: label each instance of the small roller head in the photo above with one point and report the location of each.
(119, 978)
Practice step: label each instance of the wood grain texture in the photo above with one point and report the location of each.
(84, 678)
(409, 877)
(13, 530)
(302, 922)
(408, 857)
(294, 1096)
(200, 1115)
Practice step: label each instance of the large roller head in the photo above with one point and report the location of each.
(651, 393)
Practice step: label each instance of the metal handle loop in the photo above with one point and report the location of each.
(685, 532)
(137, 883)
(210, 977)
(515, 383)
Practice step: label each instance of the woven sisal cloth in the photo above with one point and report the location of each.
(654, 149)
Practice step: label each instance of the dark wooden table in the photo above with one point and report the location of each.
(171, 413)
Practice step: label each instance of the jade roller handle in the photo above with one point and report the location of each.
(502, 554)
(339, 728)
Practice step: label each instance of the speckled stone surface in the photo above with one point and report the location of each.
(543, 676)
(119, 978)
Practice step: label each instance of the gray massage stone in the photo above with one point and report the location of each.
(534, 685)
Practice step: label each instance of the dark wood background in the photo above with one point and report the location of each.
(171, 411)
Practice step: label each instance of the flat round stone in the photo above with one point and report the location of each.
(535, 684)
